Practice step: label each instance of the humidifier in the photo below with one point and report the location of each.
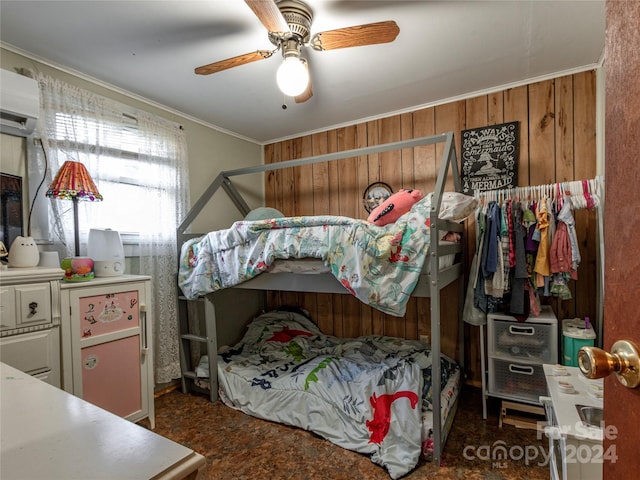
(105, 248)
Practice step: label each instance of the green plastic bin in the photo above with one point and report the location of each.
(574, 337)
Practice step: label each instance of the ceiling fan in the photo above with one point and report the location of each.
(289, 25)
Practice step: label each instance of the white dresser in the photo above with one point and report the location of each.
(30, 321)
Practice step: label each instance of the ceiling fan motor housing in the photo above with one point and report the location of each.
(298, 16)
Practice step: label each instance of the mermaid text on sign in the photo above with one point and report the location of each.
(490, 158)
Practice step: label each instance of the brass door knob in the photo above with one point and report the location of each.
(623, 360)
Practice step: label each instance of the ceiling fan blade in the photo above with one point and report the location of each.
(269, 14)
(233, 62)
(308, 93)
(356, 36)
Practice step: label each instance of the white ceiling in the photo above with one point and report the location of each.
(445, 50)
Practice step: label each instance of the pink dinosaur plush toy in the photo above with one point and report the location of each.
(394, 207)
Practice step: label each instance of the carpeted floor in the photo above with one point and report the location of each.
(239, 447)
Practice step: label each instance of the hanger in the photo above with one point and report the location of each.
(581, 193)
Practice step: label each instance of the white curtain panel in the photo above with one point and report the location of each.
(139, 163)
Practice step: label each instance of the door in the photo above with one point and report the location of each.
(622, 225)
(111, 375)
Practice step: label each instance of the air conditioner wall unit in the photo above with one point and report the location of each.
(19, 103)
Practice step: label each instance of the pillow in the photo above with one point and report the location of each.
(457, 206)
(262, 213)
(394, 207)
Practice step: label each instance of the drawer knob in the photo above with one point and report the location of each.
(623, 361)
(33, 308)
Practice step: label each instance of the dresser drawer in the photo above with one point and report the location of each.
(34, 353)
(523, 341)
(25, 305)
(33, 304)
(522, 381)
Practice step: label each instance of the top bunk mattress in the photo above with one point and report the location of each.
(311, 266)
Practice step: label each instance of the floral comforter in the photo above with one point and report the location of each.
(369, 394)
(379, 265)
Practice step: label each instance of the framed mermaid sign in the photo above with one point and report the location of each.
(490, 158)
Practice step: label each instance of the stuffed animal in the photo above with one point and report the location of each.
(394, 207)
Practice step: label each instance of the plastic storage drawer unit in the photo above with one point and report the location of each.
(516, 352)
(520, 381)
(527, 341)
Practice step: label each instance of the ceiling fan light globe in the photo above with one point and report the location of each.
(292, 77)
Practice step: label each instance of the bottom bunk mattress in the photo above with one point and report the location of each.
(369, 394)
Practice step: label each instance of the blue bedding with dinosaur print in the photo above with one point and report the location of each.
(366, 394)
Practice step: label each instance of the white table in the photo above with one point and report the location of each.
(49, 434)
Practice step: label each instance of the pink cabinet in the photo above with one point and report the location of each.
(107, 355)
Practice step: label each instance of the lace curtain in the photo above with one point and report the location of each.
(139, 164)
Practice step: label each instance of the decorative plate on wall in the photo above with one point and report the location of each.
(375, 194)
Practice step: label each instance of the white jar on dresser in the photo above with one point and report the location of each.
(30, 321)
(106, 344)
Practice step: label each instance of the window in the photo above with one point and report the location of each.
(135, 172)
(127, 180)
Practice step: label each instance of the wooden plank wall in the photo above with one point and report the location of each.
(557, 143)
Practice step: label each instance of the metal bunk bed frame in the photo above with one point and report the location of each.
(429, 285)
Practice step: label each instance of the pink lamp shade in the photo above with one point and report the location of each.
(73, 182)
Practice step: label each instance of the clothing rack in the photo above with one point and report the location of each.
(583, 193)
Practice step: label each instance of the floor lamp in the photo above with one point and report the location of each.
(74, 183)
